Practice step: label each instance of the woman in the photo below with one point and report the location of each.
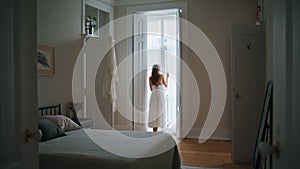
(157, 109)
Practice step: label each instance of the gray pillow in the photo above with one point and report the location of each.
(64, 122)
(49, 130)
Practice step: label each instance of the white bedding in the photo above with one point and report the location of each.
(95, 149)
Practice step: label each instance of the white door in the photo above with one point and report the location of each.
(140, 72)
(18, 85)
(248, 88)
(283, 41)
(98, 104)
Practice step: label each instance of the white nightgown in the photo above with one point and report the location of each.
(157, 110)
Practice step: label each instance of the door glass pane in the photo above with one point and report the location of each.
(162, 49)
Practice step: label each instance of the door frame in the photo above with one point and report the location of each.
(282, 34)
(184, 49)
(19, 92)
(139, 101)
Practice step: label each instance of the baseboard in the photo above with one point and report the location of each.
(219, 134)
(122, 127)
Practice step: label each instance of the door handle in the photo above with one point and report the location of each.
(30, 136)
(266, 149)
(237, 96)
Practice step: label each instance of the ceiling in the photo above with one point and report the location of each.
(133, 2)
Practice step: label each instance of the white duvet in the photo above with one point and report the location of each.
(96, 149)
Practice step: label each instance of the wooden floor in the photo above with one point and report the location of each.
(215, 154)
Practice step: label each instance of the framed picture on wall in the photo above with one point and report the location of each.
(45, 60)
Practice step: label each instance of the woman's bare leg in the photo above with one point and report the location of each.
(155, 129)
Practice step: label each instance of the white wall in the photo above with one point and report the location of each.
(215, 18)
(59, 25)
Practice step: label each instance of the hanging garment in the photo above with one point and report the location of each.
(110, 78)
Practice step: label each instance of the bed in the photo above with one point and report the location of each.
(108, 149)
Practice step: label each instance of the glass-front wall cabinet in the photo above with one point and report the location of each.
(94, 20)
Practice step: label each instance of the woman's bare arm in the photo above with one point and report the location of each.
(150, 84)
(165, 82)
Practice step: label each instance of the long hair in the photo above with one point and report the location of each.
(154, 74)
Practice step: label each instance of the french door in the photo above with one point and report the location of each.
(156, 41)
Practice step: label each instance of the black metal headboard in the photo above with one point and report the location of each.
(50, 110)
